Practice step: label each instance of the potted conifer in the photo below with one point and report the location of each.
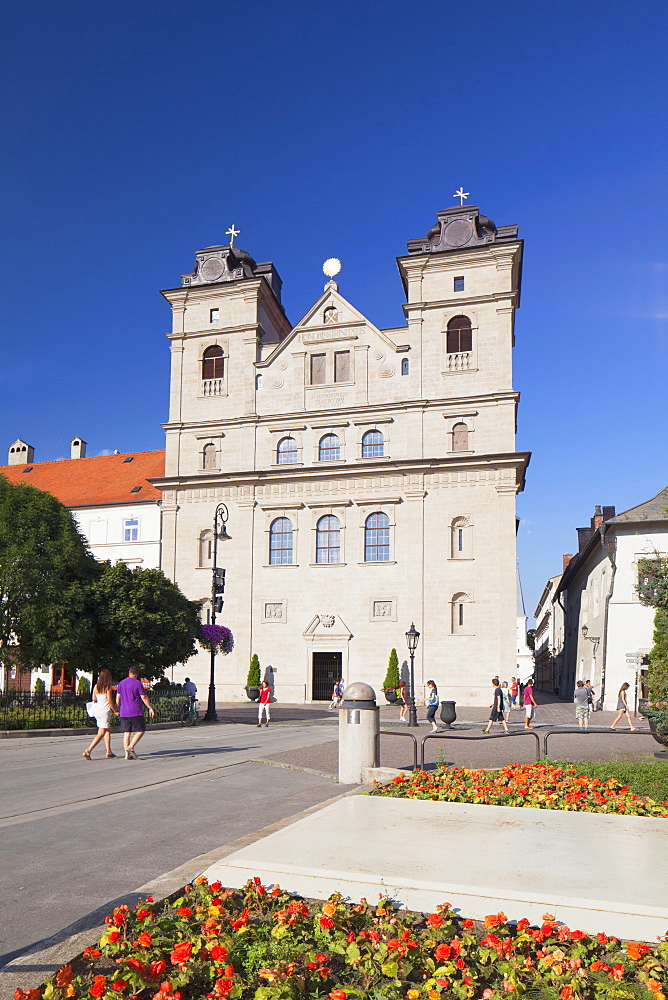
(253, 678)
(391, 682)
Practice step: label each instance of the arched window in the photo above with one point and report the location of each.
(209, 456)
(205, 548)
(460, 335)
(329, 449)
(373, 445)
(328, 540)
(213, 363)
(460, 540)
(460, 437)
(280, 542)
(404, 366)
(331, 315)
(377, 538)
(286, 453)
(461, 614)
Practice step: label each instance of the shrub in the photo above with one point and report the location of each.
(657, 675)
(253, 679)
(40, 688)
(391, 681)
(82, 686)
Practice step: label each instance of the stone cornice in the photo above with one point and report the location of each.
(355, 414)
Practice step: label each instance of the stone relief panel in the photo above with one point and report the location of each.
(275, 612)
(383, 609)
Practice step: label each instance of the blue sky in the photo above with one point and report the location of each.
(137, 132)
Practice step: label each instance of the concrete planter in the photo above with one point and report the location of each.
(253, 693)
(448, 713)
(390, 695)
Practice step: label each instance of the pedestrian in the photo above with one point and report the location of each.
(592, 696)
(623, 708)
(432, 703)
(265, 702)
(334, 703)
(514, 691)
(529, 703)
(190, 688)
(507, 703)
(496, 714)
(581, 699)
(340, 688)
(131, 698)
(403, 701)
(104, 705)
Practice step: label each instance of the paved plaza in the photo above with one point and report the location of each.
(78, 837)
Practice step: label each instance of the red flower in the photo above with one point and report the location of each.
(113, 936)
(337, 995)
(566, 993)
(157, 968)
(467, 923)
(461, 964)
(99, 988)
(327, 923)
(143, 914)
(216, 886)
(184, 911)
(181, 954)
(64, 976)
(443, 953)
(144, 940)
(435, 920)
(218, 953)
(223, 987)
(119, 985)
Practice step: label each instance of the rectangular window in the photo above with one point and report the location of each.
(214, 315)
(459, 284)
(461, 614)
(342, 366)
(460, 539)
(318, 367)
(131, 530)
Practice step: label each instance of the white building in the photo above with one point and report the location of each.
(604, 619)
(370, 475)
(111, 499)
(549, 638)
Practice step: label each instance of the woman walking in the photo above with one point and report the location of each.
(623, 708)
(581, 699)
(103, 698)
(507, 701)
(529, 703)
(496, 714)
(403, 701)
(432, 705)
(265, 702)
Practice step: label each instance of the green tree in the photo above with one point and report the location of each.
(531, 638)
(652, 590)
(143, 619)
(46, 572)
(392, 676)
(253, 678)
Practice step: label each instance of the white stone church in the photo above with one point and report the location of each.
(370, 475)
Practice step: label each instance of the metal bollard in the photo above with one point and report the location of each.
(358, 729)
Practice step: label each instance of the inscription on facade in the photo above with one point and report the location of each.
(317, 336)
(327, 398)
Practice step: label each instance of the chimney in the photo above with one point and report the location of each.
(20, 453)
(584, 534)
(566, 560)
(608, 512)
(597, 519)
(77, 448)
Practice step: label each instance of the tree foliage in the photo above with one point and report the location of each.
(392, 676)
(652, 583)
(531, 638)
(652, 590)
(143, 619)
(253, 678)
(46, 572)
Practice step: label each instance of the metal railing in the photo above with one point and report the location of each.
(491, 736)
(575, 730)
(22, 710)
(392, 732)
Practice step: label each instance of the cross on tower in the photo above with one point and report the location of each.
(232, 232)
(461, 194)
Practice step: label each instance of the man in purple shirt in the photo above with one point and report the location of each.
(132, 697)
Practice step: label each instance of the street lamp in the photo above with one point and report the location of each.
(412, 639)
(217, 588)
(592, 638)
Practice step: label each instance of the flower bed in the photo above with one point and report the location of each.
(534, 786)
(213, 943)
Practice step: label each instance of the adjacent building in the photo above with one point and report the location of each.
(370, 474)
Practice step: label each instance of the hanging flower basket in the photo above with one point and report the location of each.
(216, 638)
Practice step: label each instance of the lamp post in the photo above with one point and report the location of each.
(412, 639)
(217, 588)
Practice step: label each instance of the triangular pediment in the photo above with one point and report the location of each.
(327, 626)
(331, 318)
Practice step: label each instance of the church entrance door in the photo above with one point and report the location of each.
(326, 672)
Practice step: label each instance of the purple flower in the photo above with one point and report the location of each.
(216, 635)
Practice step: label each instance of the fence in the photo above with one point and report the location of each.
(553, 731)
(22, 710)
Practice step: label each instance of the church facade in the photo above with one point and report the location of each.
(370, 474)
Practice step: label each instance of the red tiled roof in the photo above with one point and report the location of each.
(79, 482)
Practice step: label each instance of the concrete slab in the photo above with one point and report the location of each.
(593, 872)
